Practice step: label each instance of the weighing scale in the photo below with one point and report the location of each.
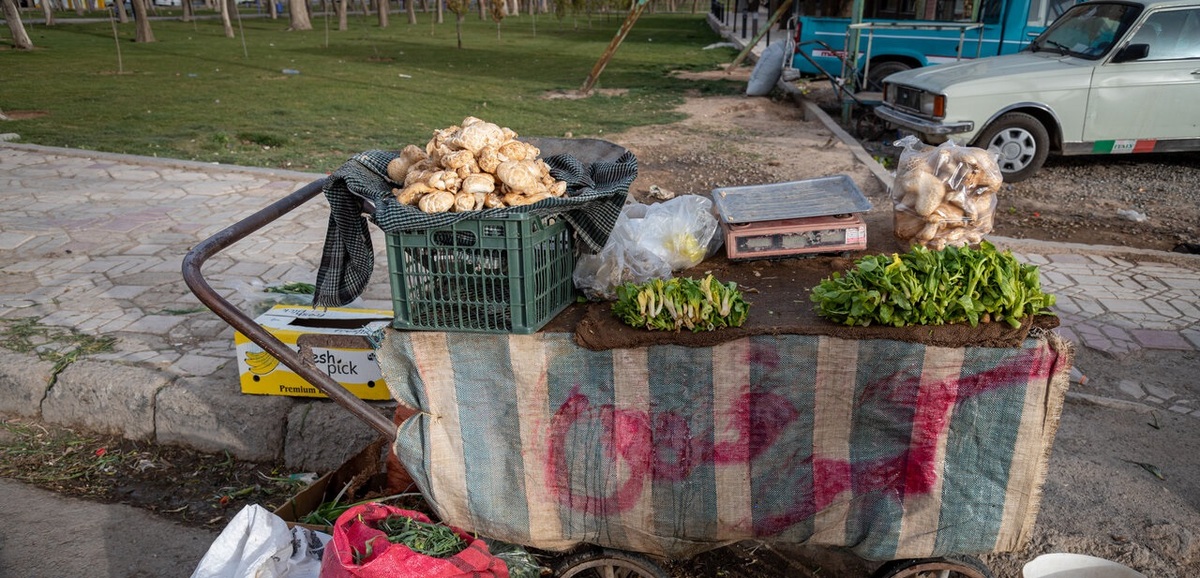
(793, 218)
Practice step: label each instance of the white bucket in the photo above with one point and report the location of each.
(1076, 566)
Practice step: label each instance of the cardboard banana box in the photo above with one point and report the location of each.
(345, 355)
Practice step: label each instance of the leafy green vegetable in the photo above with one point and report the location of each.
(430, 539)
(924, 287)
(677, 303)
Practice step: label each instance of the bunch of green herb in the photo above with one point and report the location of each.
(924, 287)
(326, 513)
(678, 303)
(428, 538)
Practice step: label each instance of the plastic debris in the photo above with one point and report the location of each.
(1132, 215)
(291, 71)
(1078, 376)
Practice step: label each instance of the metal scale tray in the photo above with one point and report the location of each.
(820, 197)
(786, 219)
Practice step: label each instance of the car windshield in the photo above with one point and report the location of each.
(1087, 30)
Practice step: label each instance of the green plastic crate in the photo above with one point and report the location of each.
(505, 275)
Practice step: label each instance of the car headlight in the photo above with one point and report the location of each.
(933, 105)
(915, 100)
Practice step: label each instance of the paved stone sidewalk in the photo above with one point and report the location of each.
(94, 242)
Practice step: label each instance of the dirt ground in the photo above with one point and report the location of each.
(1121, 483)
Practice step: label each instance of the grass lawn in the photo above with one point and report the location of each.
(309, 100)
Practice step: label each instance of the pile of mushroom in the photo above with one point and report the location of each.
(475, 165)
(945, 196)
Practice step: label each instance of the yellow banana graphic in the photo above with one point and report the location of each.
(261, 362)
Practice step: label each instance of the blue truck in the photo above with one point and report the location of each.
(896, 35)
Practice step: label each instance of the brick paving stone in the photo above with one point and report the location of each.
(11, 240)
(97, 320)
(1154, 339)
(199, 365)
(1131, 388)
(154, 324)
(121, 323)
(1125, 305)
(1159, 391)
(1067, 258)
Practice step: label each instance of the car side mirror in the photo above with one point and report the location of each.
(1132, 52)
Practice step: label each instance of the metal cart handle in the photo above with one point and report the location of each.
(195, 259)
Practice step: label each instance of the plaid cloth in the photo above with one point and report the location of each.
(596, 192)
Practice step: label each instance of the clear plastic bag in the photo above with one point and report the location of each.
(681, 231)
(650, 242)
(944, 195)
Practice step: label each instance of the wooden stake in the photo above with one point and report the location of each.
(612, 46)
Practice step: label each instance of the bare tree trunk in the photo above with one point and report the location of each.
(226, 19)
(48, 12)
(410, 6)
(142, 18)
(513, 7)
(273, 10)
(383, 13)
(15, 26)
(188, 14)
(122, 16)
(298, 11)
(441, 11)
(79, 8)
(343, 24)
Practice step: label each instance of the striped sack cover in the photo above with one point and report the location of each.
(891, 449)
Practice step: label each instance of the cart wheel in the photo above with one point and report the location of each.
(946, 567)
(606, 563)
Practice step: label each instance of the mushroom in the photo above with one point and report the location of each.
(398, 167)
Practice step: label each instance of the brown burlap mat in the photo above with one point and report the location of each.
(778, 292)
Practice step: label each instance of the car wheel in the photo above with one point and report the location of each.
(882, 70)
(1022, 143)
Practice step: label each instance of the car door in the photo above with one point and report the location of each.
(1150, 98)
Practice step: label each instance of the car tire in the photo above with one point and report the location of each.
(882, 70)
(1022, 141)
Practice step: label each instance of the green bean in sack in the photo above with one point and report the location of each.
(372, 541)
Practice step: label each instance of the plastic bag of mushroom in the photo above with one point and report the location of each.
(472, 166)
(944, 195)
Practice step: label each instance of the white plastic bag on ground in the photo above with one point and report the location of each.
(766, 71)
(258, 544)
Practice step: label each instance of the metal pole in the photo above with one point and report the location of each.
(852, 36)
(194, 260)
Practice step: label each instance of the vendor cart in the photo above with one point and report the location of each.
(915, 455)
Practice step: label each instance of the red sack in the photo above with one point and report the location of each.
(356, 526)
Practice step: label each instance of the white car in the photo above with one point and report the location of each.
(1109, 76)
